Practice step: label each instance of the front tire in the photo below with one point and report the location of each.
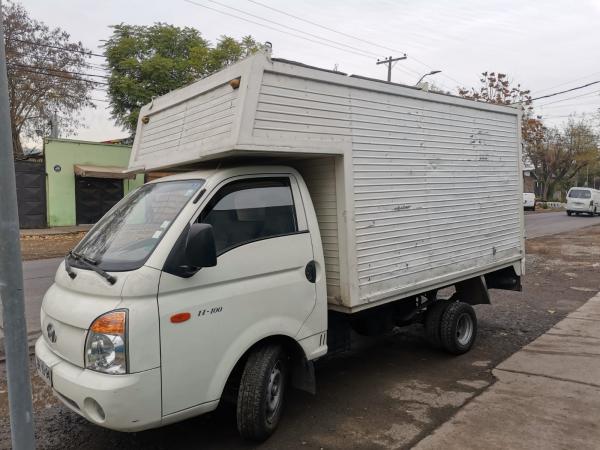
(458, 329)
(262, 392)
(569, 213)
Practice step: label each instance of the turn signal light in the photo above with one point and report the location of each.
(111, 323)
(181, 317)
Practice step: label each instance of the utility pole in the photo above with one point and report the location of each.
(389, 62)
(11, 281)
(54, 126)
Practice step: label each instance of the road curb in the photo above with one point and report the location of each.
(541, 397)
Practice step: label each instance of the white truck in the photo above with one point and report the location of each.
(306, 204)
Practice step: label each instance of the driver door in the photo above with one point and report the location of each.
(258, 288)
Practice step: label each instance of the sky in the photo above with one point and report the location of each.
(544, 46)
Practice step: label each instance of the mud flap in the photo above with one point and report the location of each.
(473, 291)
(303, 375)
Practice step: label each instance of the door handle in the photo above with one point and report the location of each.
(311, 271)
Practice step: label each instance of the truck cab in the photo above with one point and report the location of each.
(189, 281)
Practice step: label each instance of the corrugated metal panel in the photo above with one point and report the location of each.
(435, 190)
(435, 185)
(301, 109)
(319, 175)
(193, 122)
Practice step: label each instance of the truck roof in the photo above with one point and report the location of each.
(277, 108)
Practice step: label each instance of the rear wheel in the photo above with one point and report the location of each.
(458, 328)
(262, 392)
(433, 321)
(569, 213)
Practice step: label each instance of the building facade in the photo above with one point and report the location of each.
(85, 179)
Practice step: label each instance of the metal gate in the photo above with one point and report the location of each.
(31, 193)
(95, 196)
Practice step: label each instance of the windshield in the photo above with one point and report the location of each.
(580, 193)
(127, 235)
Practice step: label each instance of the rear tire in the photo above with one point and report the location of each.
(433, 321)
(569, 213)
(458, 328)
(262, 393)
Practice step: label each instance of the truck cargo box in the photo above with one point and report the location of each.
(413, 190)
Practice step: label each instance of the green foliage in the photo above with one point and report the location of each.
(149, 61)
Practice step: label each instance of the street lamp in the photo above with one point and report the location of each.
(433, 72)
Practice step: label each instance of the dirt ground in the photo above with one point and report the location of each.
(390, 392)
(48, 246)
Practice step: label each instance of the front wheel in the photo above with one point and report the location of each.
(458, 328)
(569, 213)
(262, 392)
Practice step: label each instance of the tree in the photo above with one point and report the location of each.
(496, 88)
(561, 154)
(46, 75)
(149, 61)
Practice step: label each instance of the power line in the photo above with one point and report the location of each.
(568, 90)
(569, 98)
(12, 54)
(291, 28)
(568, 82)
(322, 26)
(50, 69)
(57, 47)
(276, 29)
(350, 36)
(352, 50)
(64, 76)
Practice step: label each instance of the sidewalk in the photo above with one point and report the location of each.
(54, 230)
(547, 395)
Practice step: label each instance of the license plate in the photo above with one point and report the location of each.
(43, 370)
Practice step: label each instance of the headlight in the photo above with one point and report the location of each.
(106, 343)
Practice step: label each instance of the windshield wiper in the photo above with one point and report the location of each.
(70, 271)
(90, 263)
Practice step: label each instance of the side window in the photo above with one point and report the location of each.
(248, 210)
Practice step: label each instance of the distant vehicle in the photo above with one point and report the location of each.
(528, 201)
(583, 200)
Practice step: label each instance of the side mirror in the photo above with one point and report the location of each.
(200, 247)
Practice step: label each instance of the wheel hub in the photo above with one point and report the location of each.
(464, 329)
(274, 391)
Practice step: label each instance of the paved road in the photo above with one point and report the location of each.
(39, 274)
(544, 224)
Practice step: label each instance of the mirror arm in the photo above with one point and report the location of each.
(186, 271)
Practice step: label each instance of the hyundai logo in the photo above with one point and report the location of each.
(51, 333)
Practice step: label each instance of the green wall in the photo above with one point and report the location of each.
(60, 188)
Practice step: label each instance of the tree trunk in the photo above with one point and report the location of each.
(17, 148)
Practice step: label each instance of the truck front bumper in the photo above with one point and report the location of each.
(129, 402)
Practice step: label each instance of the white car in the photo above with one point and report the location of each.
(528, 201)
(583, 200)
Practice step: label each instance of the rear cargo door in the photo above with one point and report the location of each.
(258, 288)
